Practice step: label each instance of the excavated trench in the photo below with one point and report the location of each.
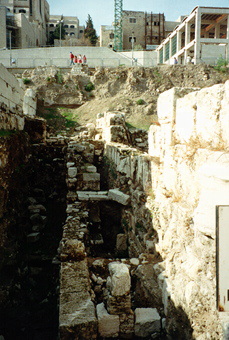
(39, 196)
(30, 282)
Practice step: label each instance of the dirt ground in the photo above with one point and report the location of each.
(75, 99)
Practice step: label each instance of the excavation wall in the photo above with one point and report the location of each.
(190, 181)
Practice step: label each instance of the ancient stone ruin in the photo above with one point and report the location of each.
(110, 232)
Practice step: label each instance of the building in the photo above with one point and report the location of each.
(23, 23)
(27, 23)
(203, 36)
(146, 30)
(70, 24)
(106, 36)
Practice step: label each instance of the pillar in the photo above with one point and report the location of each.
(197, 50)
(187, 40)
(227, 47)
(217, 31)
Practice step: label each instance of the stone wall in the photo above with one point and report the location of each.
(11, 91)
(15, 102)
(111, 127)
(190, 144)
(171, 216)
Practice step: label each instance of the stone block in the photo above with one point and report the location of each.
(98, 197)
(72, 172)
(91, 177)
(108, 325)
(120, 279)
(118, 196)
(91, 168)
(70, 164)
(147, 321)
(77, 321)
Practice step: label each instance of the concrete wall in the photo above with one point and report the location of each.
(210, 53)
(144, 58)
(191, 145)
(59, 56)
(2, 27)
(26, 34)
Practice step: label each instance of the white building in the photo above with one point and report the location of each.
(23, 23)
(203, 36)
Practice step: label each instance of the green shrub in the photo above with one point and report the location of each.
(140, 102)
(59, 77)
(89, 87)
(221, 64)
(6, 133)
(26, 80)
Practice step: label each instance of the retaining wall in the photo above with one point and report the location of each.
(191, 146)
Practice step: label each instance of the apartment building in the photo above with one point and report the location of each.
(143, 29)
(23, 23)
(73, 30)
(203, 36)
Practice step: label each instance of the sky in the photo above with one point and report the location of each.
(102, 11)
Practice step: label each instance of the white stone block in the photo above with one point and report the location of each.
(147, 321)
(120, 279)
(118, 196)
(185, 116)
(91, 168)
(208, 112)
(108, 325)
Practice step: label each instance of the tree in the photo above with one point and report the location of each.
(56, 33)
(90, 32)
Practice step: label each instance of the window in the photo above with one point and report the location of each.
(81, 31)
(66, 33)
(133, 20)
(72, 33)
(65, 26)
(111, 35)
(51, 25)
(22, 11)
(130, 39)
(156, 23)
(72, 26)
